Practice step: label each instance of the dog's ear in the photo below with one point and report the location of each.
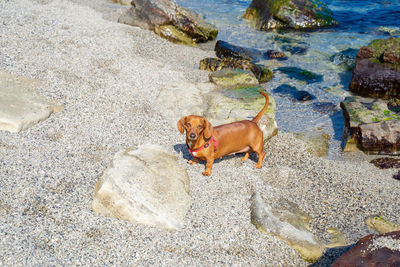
(180, 124)
(208, 129)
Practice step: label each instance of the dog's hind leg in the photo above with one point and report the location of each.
(246, 156)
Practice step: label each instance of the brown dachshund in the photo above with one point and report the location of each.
(208, 143)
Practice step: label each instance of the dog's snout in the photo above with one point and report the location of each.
(192, 135)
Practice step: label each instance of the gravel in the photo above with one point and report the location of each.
(108, 76)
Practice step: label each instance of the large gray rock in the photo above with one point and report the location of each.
(20, 105)
(169, 20)
(145, 185)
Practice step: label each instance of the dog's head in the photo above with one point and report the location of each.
(195, 126)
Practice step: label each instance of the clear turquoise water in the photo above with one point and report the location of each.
(360, 22)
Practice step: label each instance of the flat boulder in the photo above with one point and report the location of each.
(370, 126)
(291, 14)
(170, 21)
(21, 106)
(146, 186)
(373, 250)
(377, 70)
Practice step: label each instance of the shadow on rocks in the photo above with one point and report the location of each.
(330, 256)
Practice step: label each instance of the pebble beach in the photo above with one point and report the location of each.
(109, 78)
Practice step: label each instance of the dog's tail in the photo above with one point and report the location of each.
(259, 115)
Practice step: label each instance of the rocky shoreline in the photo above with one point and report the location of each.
(123, 87)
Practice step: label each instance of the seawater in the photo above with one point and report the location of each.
(360, 22)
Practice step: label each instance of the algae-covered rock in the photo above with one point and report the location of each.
(293, 14)
(263, 74)
(377, 70)
(229, 78)
(345, 58)
(169, 20)
(370, 125)
(301, 74)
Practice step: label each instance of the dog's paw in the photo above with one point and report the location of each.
(191, 162)
(258, 166)
(206, 173)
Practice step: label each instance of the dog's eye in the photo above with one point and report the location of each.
(199, 127)
(188, 125)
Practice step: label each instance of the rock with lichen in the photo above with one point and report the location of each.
(293, 14)
(370, 126)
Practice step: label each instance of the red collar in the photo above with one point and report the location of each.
(205, 146)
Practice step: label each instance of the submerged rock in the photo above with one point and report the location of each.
(373, 250)
(345, 58)
(301, 74)
(370, 125)
(20, 105)
(377, 70)
(293, 14)
(145, 185)
(325, 107)
(262, 73)
(169, 20)
(293, 93)
(229, 78)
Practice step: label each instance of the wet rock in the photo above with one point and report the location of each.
(386, 163)
(390, 30)
(381, 225)
(317, 142)
(293, 93)
(146, 186)
(262, 73)
(272, 54)
(345, 58)
(325, 107)
(229, 78)
(377, 70)
(226, 50)
(370, 125)
(240, 103)
(169, 20)
(20, 105)
(294, 14)
(301, 74)
(373, 250)
(394, 105)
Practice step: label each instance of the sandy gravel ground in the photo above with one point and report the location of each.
(108, 77)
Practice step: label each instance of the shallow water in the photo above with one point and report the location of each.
(360, 22)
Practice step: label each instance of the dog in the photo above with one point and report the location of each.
(208, 143)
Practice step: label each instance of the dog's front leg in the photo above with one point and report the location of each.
(209, 164)
(193, 161)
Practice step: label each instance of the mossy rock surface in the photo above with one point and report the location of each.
(233, 77)
(293, 14)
